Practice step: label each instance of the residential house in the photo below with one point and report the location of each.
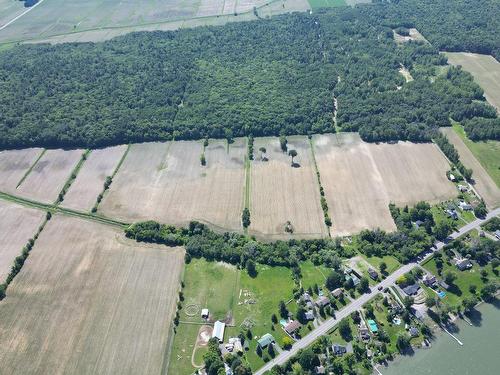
(497, 234)
(413, 331)
(309, 315)
(463, 264)
(452, 213)
(292, 327)
(322, 301)
(364, 333)
(337, 292)
(319, 370)
(265, 340)
(411, 290)
(429, 280)
(464, 206)
(373, 274)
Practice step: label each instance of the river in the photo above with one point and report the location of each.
(480, 354)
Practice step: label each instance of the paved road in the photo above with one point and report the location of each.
(359, 302)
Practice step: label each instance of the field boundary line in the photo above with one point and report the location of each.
(106, 188)
(62, 210)
(72, 176)
(31, 168)
(324, 205)
(22, 14)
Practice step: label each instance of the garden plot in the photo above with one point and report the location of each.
(14, 164)
(361, 179)
(89, 182)
(17, 225)
(483, 183)
(167, 182)
(281, 193)
(47, 178)
(98, 303)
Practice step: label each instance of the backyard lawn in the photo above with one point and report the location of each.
(392, 263)
(312, 274)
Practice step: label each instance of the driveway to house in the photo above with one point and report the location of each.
(359, 302)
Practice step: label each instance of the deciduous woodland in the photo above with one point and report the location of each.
(264, 77)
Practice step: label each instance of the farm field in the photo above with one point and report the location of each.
(281, 193)
(89, 182)
(230, 295)
(484, 184)
(486, 152)
(47, 178)
(97, 20)
(98, 303)
(13, 166)
(485, 70)
(316, 4)
(166, 182)
(17, 225)
(361, 179)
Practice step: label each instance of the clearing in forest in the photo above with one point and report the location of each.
(98, 303)
(89, 182)
(360, 179)
(282, 193)
(14, 164)
(17, 225)
(166, 182)
(483, 183)
(49, 175)
(485, 70)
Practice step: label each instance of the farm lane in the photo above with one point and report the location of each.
(358, 303)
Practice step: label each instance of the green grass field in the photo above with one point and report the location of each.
(312, 274)
(454, 296)
(316, 4)
(228, 292)
(392, 263)
(486, 152)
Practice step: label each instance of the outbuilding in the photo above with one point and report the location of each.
(218, 331)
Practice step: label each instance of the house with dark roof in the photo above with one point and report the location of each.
(373, 274)
(337, 292)
(322, 301)
(411, 290)
(413, 331)
(463, 264)
(429, 280)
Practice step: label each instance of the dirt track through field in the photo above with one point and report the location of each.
(166, 182)
(48, 176)
(18, 225)
(89, 182)
(13, 166)
(361, 179)
(484, 185)
(281, 193)
(98, 304)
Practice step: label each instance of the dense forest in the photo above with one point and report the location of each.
(266, 77)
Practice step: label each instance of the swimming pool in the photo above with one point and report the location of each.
(441, 294)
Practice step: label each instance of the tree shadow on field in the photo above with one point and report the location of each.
(295, 165)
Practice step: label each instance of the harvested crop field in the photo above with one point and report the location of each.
(281, 193)
(360, 179)
(98, 303)
(13, 166)
(89, 182)
(484, 184)
(485, 70)
(17, 225)
(47, 178)
(166, 182)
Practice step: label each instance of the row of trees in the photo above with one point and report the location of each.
(266, 77)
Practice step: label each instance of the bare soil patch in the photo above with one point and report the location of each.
(13, 166)
(48, 176)
(96, 305)
(361, 179)
(483, 183)
(90, 180)
(282, 193)
(17, 225)
(167, 182)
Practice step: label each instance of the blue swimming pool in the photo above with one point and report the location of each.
(441, 294)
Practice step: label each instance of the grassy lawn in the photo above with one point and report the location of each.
(182, 350)
(486, 153)
(312, 274)
(315, 4)
(391, 262)
(455, 295)
(212, 285)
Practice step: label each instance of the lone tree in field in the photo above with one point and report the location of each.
(250, 266)
(262, 152)
(203, 161)
(283, 143)
(292, 154)
(245, 218)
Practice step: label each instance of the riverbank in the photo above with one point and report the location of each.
(478, 355)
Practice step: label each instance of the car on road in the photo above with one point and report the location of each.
(380, 287)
